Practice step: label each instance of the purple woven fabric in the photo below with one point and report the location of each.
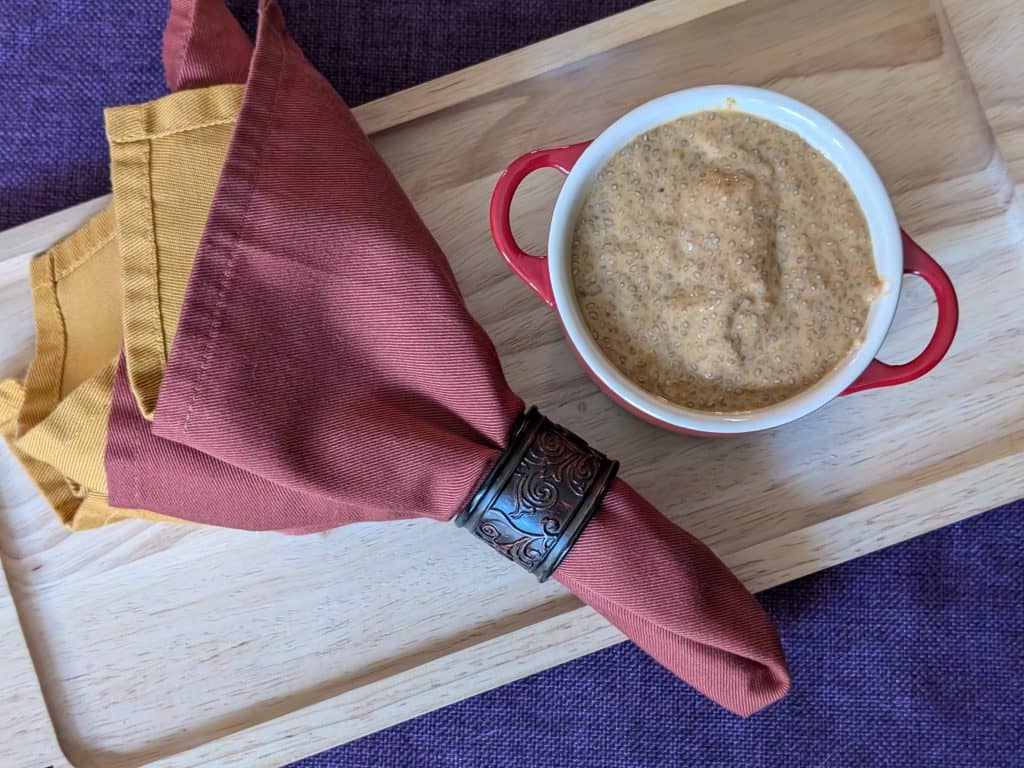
(907, 657)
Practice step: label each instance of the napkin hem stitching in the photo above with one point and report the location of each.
(133, 137)
(213, 328)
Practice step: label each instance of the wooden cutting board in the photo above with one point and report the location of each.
(146, 644)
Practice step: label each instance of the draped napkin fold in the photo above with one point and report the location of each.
(55, 421)
(165, 158)
(124, 270)
(325, 370)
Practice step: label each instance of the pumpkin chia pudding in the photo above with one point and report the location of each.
(722, 263)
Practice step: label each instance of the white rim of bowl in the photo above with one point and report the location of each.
(818, 131)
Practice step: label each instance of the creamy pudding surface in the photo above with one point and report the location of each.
(722, 263)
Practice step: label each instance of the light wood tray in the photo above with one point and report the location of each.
(144, 644)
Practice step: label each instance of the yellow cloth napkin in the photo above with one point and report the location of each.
(56, 421)
(165, 160)
(122, 275)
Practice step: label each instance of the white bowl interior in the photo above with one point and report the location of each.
(818, 131)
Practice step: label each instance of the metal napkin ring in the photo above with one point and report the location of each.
(540, 495)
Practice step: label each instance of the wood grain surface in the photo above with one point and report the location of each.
(150, 644)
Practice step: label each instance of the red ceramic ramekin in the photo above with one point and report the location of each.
(894, 252)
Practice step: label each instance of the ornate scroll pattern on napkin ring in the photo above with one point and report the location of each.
(539, 495)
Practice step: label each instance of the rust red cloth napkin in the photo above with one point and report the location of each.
(326, 370)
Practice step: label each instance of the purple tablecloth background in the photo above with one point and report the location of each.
(913, 656)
